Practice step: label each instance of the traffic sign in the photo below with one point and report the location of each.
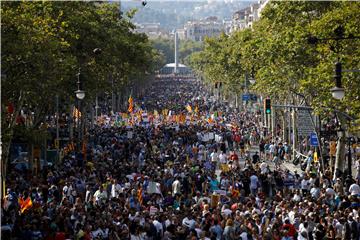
(246, 97)
(304, 123)
(314, 140)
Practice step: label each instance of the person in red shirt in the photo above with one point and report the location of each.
(235, 158)
(291, 231)
(237, 139)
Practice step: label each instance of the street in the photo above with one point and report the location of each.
(158, 120)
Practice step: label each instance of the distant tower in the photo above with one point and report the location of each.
(176, 53)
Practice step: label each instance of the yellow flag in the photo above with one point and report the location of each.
(315, 157)
(188, 107)
(131, 104)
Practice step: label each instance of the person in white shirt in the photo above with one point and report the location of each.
(263, 168)
(222, 158)
(214, 156)
(189, 222)
(159, 227)
(176, 187)
(272, 149)
(100, 195)
(354, 189)
(116, 189)
(305, 186)
(88, 195)
(225, 211)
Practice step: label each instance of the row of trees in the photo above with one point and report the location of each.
(277, 53)
(287, 68)
(44, 44)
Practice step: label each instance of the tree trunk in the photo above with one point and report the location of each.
(7, 143)
(340, 156)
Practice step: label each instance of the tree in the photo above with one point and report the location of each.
(44, 44)
(286, 67)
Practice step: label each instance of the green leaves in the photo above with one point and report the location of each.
(284, 64)
(45, 43)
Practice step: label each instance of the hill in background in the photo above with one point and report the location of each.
(174, 14)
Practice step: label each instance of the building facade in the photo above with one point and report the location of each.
(198, 30)
(152, 30)
(245, 18)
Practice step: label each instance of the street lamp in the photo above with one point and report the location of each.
(252, 80)
(80, 94)
(338, 92)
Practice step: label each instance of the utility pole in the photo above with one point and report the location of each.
(273, 127)
(57, 129)
(96, 106)
(293, 132)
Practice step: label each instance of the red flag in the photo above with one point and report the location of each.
(10, 108)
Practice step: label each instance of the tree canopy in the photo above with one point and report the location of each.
(45, 44)
(277, 53)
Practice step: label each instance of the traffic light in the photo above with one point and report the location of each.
(267, 106)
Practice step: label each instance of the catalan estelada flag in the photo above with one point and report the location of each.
(25, 204)
(131, 104)
(139, 195)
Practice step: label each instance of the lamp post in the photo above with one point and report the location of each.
(97, 51)
(338, 92)
(349, 155)
(80, 95)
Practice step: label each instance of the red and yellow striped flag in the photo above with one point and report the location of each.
(131, 104)
(76, 113)
(25, 204)
(139, 195)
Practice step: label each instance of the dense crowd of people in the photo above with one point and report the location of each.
(167, 180)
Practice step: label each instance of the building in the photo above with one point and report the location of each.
(170, 69)
(181, 33)
(152, 30)
(198, 30)
(245, 18)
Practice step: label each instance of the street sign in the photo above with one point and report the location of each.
(246, 97)
(304, 123)
(314, 140)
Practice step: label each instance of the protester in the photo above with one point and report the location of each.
(169, 170)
